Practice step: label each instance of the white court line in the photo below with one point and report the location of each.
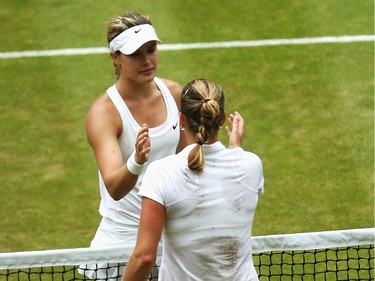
(186, 46)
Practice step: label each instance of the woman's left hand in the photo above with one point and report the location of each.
(235, 134)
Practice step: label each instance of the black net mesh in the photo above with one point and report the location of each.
(343, 263)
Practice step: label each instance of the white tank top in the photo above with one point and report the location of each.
(125, 213)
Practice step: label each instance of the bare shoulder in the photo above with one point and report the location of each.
(102, 117)
(175, 88)
(101, 107)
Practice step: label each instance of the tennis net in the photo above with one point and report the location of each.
(327, 255)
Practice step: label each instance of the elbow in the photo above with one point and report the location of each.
(116, 198)
(118, 188)
(117, 191)
(117, 195)
(146, 260)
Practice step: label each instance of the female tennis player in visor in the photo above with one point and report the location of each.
(134, 122)
(203, 199)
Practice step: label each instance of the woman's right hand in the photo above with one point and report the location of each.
(142, 145)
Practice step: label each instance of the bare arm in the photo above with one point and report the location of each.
(103, 126)
(144, 255)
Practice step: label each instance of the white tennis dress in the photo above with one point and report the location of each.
(120, 219)
(209, 216)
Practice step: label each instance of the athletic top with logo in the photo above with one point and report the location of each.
(164, 140)
(120, 219)
(209, 216)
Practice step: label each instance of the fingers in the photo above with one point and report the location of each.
(142, 137)
(230, 120)
(235, 117)
(236, 121)
(142, 145)
(235, 133)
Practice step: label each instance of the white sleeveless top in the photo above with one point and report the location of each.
(125, 213)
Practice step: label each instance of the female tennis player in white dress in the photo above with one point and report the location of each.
(135, 122)
(203, 199)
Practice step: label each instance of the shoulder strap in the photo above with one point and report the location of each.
(161, 85)
(117, 100)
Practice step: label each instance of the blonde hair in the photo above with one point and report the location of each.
(121, 23)
(202, 103)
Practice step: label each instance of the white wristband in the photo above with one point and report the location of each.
(133, 166)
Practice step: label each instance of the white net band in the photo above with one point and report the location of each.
(282, 242)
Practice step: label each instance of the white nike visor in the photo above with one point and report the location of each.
(133, 38)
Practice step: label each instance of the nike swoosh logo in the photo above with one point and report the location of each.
(175, 126)
(136, 31)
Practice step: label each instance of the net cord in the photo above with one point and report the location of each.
(280, 242)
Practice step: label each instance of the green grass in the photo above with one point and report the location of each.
(309, 109)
